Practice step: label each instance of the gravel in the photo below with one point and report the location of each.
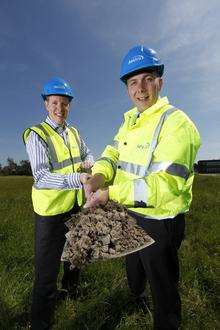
(102, 233)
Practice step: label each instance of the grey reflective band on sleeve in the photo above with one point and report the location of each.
(140, 193)
(140, 170)
(170, 168)
(114, 166)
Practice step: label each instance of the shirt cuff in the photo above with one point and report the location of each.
(73, 181)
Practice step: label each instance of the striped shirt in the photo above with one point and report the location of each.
(38, 154)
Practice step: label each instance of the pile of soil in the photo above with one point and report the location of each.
(102, 233)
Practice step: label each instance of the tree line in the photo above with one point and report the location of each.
(12, 168)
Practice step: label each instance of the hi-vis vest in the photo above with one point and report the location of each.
(63, 160)
(149, 166)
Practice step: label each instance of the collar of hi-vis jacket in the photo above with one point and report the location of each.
(161, 102)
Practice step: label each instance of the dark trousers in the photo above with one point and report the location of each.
(49, 242)
(159, 264)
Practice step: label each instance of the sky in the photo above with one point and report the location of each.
(84, 42)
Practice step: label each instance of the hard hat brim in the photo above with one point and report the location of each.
(44, 96)
(157, 68)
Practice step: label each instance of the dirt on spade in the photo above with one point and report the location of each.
(102, 233)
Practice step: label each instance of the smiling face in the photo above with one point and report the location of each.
(143, 89)
(58, 108)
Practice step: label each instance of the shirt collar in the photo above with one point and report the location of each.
(55, 126)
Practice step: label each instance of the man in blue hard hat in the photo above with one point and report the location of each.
(149, 169)
(59, 160)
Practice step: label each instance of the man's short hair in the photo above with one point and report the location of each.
(153, 71)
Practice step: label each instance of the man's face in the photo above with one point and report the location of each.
(143, 89)
(58, 108)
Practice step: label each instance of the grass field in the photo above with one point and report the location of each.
(104, 302)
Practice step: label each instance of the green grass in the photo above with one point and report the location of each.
(104, 302)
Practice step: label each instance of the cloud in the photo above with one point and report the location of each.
(119, 24)
(183, 32)
(189, 43)
(184, 16)
(189, 32)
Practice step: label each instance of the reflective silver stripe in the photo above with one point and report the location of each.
(65, 163)
(156, 134)
(140, 193)
(53, 154)
(171, 168)
(110, 161)
(136, 169)
(36, 187)
(140, 170)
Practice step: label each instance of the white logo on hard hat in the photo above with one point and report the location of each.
(59, 87)
(136, 58)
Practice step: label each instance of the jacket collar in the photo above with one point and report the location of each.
(161, 102)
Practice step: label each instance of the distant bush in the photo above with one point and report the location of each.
(12, 168)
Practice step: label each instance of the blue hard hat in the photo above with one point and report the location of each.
(139, 58)
(57, 86)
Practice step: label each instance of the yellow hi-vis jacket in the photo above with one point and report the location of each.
(149, 166)
(63, 160)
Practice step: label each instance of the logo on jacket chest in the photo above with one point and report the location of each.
(143, 146)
